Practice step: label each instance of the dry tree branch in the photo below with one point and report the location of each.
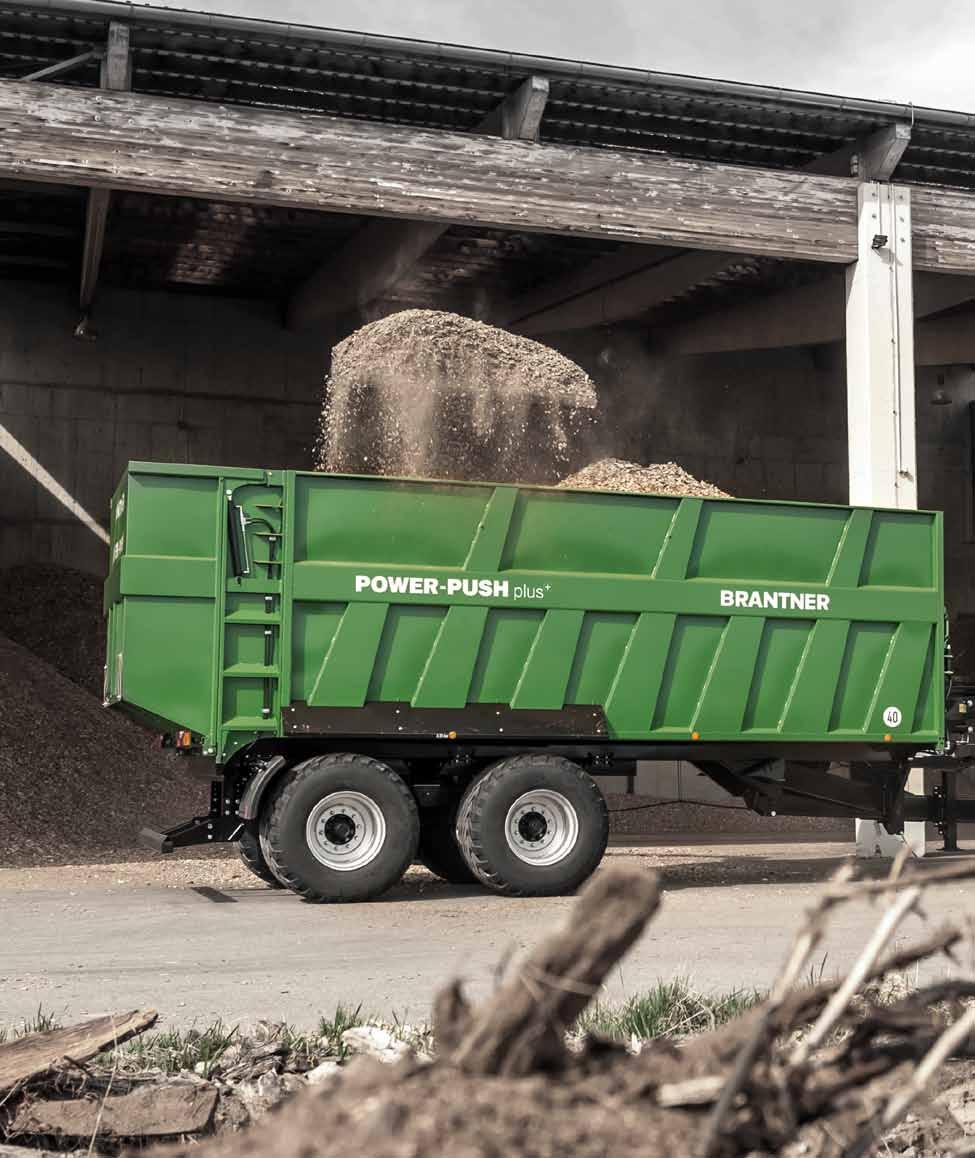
(888, 925)
(838, 891)
(807, 938)
(901, 1102)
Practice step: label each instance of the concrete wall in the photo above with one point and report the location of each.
(178, 378)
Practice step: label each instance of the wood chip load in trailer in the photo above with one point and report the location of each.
(382, 669)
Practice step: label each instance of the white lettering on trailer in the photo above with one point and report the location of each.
(775, 600)
(425, 585)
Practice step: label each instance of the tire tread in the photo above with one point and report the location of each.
(282, 795)
(472, 806)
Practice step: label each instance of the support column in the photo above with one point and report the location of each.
(880, 397)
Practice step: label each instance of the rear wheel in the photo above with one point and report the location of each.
(249, 851)
(533, 825)
(439, 850)
(340, 828)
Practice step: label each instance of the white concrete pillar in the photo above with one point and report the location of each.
(880, 397)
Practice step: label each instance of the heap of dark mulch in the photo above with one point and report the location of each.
(56, 612)
(77, 781)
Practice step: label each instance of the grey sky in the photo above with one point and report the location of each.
(900, 50)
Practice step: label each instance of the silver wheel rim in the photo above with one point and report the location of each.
(345, 831)
(541, 827)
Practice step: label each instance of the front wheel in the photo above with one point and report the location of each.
(533, 825)
(249, 851)
(340, 828)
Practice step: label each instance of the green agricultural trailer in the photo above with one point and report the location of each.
(373, 671)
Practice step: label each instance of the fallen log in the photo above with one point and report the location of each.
(521, 1029)
(39, 1054)
(154, 1110)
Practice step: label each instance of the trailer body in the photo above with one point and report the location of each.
(372, 670)
(248, 604)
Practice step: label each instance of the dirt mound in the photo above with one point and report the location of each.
(435, 394)
(77, 781)
(659, 478)
(826, 1068)
(56, 613)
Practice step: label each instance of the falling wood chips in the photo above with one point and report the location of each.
(506, 1081)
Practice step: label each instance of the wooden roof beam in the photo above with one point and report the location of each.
(382, 252)
(178, 147)
(558, 306)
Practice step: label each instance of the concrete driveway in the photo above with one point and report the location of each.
(84, 941)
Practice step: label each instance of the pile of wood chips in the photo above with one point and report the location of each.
(832, 1068)
(659, 478)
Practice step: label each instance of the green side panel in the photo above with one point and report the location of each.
(848, 563)
(776, 666)
(926, 714)
(492, 532)
(767, 542)
(636, 688)
(813, 691)
(721, 709)
(864, 659)
(172, 515)
(602, 643)
(678, 546)
(346, 670)
(903, 677)
(168, 666)
(580, 531)
(505, 646)
(693, 649)
(313, 626)
(899, 551)
(375, 521)
(407, 640)
(549, 664)
(446, 679)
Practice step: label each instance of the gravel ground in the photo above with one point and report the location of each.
(681, 865)
(660, 478)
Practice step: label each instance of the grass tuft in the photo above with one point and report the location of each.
(669, 1009)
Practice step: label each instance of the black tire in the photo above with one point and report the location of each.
(302, 790)
(249, 851)
(483, 816)
(439, 850)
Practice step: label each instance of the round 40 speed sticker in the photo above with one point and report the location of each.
(892, 717)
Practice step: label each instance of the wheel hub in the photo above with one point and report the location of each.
(345, 830)
(339, 829)
(541, 827)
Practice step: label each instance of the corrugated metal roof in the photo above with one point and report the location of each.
(268, 64)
